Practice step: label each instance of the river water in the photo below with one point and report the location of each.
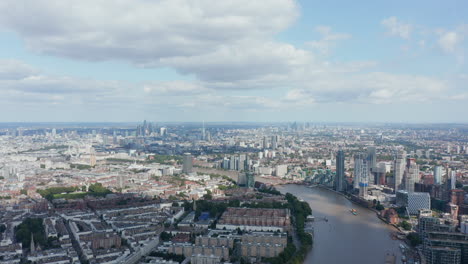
(345, 238)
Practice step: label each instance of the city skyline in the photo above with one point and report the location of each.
(191, 192)
(271, 61)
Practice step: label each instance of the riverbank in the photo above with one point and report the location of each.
(377, 213)
(343, 229)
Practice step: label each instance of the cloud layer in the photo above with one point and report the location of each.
(229, 49)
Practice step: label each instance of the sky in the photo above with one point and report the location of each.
(233, 60)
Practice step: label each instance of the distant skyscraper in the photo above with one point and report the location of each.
(225, 164)
(241, 164)
(265, 143)
(274, 142)
(203, 135)
(411, 174)
(242, 179)
(105, 140)
(54, 132)
(361, 173)
(250, 179)
(92, 158)
(453, 180)
(399, 170)
(438, 174)
(247, 163)
(372, 157)
(232, 162)
(339, 178)
(358, 167)
(188, 163)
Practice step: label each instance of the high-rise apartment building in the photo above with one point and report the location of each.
(372, 157)
(188, 163)
(438, 174)
(265, 143)
(361, 173)
(358, 164)
(274, 142)
(399, 170)
(340, 168)
(411, 174)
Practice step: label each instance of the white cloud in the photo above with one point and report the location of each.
(245, 60)
(22, 84)
(448, 41)
(228, 47)
(328, 40)
(183, 88)
(451, 41)
(14, 69)
(397, 28)
(302, 87)
(212, 39)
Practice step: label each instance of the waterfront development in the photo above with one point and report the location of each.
(344, 238)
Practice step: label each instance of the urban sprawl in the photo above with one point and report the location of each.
(205, 193)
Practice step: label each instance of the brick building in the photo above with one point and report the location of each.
(255, 219)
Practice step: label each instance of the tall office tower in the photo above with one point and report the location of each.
(438, 174)
(453, 180)
(241, 165)
(361, 173)
(428, 154)
(92, 157)
(265, 143)
(274, 142)
(162, 131)
(372, 158)
(232, 163)
(188, 163)
(358, 167)
(105, 140)
(54, 132)
(250, 179)
(242, 179)
(372, 164)
(411, 174)
(399, 170)
(247, 163)
(203, 136)
(236, 163)
(225, 163)
(340, 168)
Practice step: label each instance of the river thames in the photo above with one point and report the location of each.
(345, 238)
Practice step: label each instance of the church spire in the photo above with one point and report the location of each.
(32, 247)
